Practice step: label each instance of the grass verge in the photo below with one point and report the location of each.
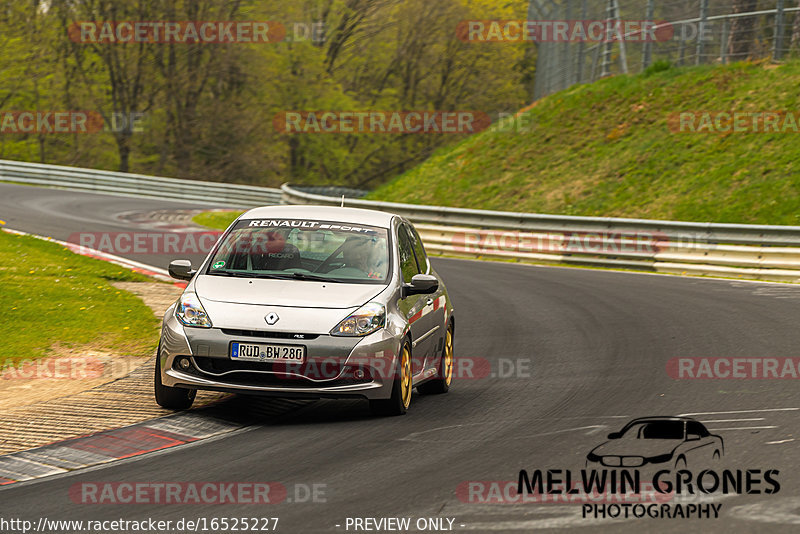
(218, 220)
(50, 296)
(607, 149)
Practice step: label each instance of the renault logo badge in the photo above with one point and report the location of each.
(271, 318)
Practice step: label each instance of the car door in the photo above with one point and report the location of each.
(698, 451)
(424, 320)
(411, 306)
(435, 303)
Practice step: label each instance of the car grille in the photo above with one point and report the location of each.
(622, 461)
(273, 374)
(270, 335)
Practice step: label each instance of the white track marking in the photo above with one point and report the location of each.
(732, 420)
(416, 436)
(740, 411)
(742, 428)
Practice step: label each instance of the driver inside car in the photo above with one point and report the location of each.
(358, 253)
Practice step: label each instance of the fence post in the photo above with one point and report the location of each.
(623, 54)
(777, 48)
(609, 44)
(701, 45)
(595, 61)
(566, 78)
(581, 61)
(647, 52)
(536, 11)
(723, 47)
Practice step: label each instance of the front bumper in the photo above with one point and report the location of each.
(336, 367)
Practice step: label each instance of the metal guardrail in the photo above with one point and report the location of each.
(731, 250)
(139, 185)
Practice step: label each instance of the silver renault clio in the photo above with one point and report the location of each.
(310, 302)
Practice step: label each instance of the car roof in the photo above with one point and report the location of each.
(665, 418)
(324, 213)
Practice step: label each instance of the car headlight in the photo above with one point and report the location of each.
(365, 320)
(190, 311)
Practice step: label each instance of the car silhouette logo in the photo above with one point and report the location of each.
(271, 318)
(671, 442)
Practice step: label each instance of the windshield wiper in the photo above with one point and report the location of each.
(229, 273)
(316, 278)
(287, 276)
(247, 274)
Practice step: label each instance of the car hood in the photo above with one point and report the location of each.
(294, 293)
(637, 447)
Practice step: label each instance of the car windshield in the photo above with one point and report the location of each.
(301, 249)
(656, 430)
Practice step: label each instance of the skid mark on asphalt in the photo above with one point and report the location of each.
(425, 436)
(173, 220)
(431, 435)
(779, 291)
(783, 511)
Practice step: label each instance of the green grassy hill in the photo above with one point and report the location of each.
(606, 149)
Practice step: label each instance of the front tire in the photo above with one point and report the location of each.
(400, 400)
(169, 397)
(444, 374)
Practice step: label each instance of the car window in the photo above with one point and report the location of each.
(408, 264)
(294, 248)
(662, 430)
(693, 427)
(419, 250)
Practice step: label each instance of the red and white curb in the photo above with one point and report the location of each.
(116, 444)
(111, 445)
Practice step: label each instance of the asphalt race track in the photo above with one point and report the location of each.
(574, 354)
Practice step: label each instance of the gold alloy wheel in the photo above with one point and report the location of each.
(447, 363)
(405, 377)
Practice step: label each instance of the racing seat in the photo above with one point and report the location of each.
(286, 258)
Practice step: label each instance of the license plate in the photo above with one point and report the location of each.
(267, 352)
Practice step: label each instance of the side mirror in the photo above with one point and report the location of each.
(181, 269)
(692, 437)
(614, 435)
(421, 284)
